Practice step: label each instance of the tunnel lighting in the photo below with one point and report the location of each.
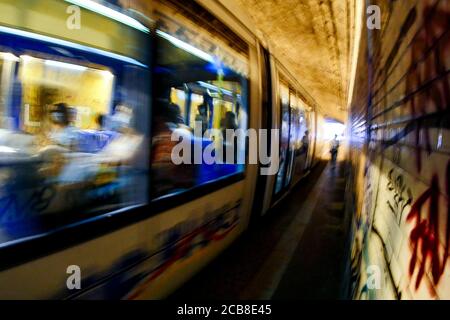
(110, 13)
(332, 128)
(26, 58)
(359, 14)
(214, 88)
(68, 44)
(5, 149)
(107, 74)
(58, 64)
(8, 56)
(186, 47)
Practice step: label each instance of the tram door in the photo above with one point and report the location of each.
(285, 148)
(293, 138)
(266, 123)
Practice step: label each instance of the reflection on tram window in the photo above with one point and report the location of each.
(292, 139)
(284, 139)
(197, 99)
(72, 137)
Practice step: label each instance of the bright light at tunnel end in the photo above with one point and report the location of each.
(332, 129)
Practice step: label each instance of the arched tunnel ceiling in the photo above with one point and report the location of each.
(314, 39)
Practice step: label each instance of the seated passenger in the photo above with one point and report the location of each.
(229, 122)
(202, 117)
(101, 121)
(166, 176)
(120, 121)
(93, 141)
(176, 119)
(62, 133)
(123, 144)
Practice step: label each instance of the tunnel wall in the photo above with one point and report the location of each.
(400, 154)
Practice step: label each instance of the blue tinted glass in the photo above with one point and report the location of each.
(197, 101)
(73, 134)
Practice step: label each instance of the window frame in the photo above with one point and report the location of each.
(22, 250)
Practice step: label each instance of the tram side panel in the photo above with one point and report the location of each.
(76, 147)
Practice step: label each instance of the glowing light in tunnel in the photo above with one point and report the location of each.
(5, 149)
(107, 74)
(359, 13)
(58, 64)
(186, 47)
(26, 59)
(333, 128)
(8, 56)
(110, 13)
(214, 88)
(68, 44)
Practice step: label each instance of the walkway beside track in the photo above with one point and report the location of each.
(296, 252)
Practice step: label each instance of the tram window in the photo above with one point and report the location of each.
(292, 138)
(214, 99)
(178, 97)
(75, 143)
(7, 65)
(297, 137)
(304, 132)
(198, 111)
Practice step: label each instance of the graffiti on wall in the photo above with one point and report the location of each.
(408, 116)
(402, 195)
(429, 110)
(427, 81)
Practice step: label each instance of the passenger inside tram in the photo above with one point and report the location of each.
(63, 150)
(202, 115)
(203, 93)
(167, 176)
(63, 132)
(229, 122)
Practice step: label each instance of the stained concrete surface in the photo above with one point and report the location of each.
(295, 252)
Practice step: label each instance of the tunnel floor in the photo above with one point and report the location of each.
(297, 251)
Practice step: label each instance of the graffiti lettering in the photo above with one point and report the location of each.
(402, 195)
(424, 238)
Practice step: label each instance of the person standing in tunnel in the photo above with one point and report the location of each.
(166, 176)
(334, 148)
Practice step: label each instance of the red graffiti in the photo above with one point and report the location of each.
(424, 238)
(208, 232)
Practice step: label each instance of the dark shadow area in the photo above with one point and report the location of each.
(316, 267)
(230, 274)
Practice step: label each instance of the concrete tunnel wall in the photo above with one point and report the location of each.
(400, 154)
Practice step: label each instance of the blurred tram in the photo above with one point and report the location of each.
(90, 93)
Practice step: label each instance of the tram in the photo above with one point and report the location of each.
(86, 115)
